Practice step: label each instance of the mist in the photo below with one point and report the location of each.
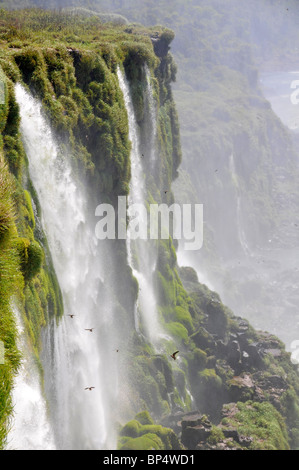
(231, 151)
(236, 63)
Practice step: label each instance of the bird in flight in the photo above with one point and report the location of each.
(174, 355)
(89, 388)
(72, 316)
(89, 329)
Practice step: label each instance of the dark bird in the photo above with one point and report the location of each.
(89, 388)
(173, 355)
(72, 316)
(89, 329)
(166, 191)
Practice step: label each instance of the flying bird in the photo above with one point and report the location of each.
(72, 316)
(89, 329)
(89, 388)
(174, 355)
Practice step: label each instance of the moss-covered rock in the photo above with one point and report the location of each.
(138, 435)
(259, 422)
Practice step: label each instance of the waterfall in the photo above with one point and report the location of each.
(149, 94)
(142, 255)
(73, 358)
(30, 425)
(241, 233)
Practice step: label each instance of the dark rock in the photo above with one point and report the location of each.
(195, 428)
(273, 352)
(191, 419)
(234, 354)
(241, 388)
(274, 381)
(255, 354)
(222, 349)
(217, 319)
(242, 339)
(191, 436)
(233, 433)
(161, 47)
(203, 339)
(245, 441)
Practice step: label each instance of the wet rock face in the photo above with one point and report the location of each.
(197, 432)
(195, 428)
(161, 46)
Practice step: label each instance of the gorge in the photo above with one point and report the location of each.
(90, 119)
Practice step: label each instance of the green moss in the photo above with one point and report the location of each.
(183, 316)
(144, 418)
(134, 434)
(216, 436)
(198, 358)
(146, 442)
(131, 429)
(31, 255)
(30, 214)
(178, 332)
(260, 421)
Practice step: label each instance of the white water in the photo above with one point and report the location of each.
(241, 233)
(73, 358)
(146, 315)
(30, 427)
(153, 118)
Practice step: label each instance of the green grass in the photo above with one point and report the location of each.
(262, 422)
(10, 284)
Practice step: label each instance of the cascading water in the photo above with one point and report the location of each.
(142, 254)
(30, 426)
(73, 357)
(241, 234)
(153, 118)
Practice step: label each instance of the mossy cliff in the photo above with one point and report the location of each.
(223, 363)
(28, 281)
(76, 81)
(242, 387)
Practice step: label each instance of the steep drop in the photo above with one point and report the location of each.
(73, 357)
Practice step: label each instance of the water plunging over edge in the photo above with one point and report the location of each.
(72, 357)
(146, 306)
(30, 429)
